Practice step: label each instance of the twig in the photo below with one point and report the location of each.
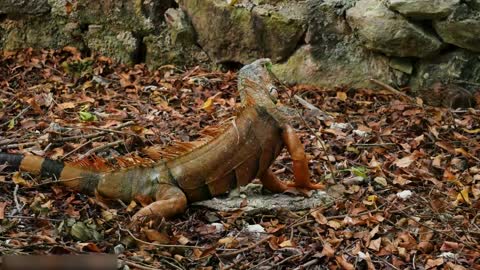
(7, 141)
(393, 90)
(78, 147)
(101, 147)
(286, 259)
(307, 264)
(17, 116)
(28, 217)
(73, 138)
(373, 144)
(136, 265)
(233, 253)
(306, 104)
(15, 199)
(19, 145)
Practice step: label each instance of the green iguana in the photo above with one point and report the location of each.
(242, 152)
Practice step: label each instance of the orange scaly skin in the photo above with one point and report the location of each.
(234, 158)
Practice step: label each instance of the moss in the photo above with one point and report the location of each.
(37, 33)
(119, 45)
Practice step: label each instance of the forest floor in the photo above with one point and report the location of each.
(409, 174)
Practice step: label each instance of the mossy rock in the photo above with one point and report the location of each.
(240, 34)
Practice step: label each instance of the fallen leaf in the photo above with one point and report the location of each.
(434, 263)
(2, 210)
(343, 263)
(328, 250)
(375, 244)
(405, 161)
(342, 96)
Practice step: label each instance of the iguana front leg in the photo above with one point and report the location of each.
(170, 201)
(300, 163)
(272, 183)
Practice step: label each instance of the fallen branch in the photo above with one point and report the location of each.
(393, 90)
(16, 117)
(101, 147)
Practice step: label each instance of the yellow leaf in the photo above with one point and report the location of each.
(463, 196)
(342, 96)
(18, 179)
(372, 198)
(287, 243)
(208, 105)
(131, 206)
(472, 131)
(11, 123)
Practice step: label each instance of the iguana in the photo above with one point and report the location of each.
(242, 152)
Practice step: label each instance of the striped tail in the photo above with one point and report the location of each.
(71, 176)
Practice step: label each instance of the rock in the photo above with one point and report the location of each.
(267, 203)
(333, 56)
(474, 4)
(242, 34)
(181, 30)
(461, 28)
(160, 50)
(423, 9)
(383, 30)
(36, 32)
(402, 64)
(20, 8)
(122, 45)
(459, 67)
(118, 15)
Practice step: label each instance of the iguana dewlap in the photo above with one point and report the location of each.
(241, 153)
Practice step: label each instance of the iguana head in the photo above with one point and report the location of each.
(257, 83)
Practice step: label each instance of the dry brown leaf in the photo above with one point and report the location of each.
(434, 263)
(375, 244)
(344, 263)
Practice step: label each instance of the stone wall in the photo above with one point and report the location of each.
(416, 43)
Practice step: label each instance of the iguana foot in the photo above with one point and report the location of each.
(170, 201)
(308, 186)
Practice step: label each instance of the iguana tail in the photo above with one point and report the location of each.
(69, 174)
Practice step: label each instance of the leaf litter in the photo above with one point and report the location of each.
(407, 175)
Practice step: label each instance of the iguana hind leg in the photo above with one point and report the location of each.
(300, 162)
(272, 183)
(170, 201)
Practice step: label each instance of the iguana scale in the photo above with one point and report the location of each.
(241, 153)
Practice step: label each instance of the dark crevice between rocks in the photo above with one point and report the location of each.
(301, 41)
(83, 27)
(3, 17)
(140, 53)
(226, 66)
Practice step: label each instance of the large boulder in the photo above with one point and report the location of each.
(39, 32)
(423, 9)
(24, 7)
(175, 44)
(333, 56)
(121, 15)
(461, 28)
(459, 67)
(383, 30)
(244, 33)
(123, 46)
